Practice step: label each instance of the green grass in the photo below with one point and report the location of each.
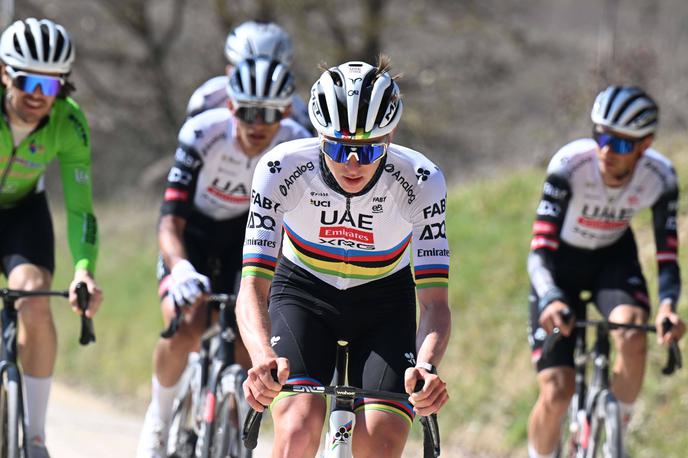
(492, 383)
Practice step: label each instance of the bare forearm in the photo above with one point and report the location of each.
(253, 318)
(171, 239)
(434, 327)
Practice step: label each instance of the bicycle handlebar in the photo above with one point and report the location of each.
(173, 327)
(431, 431)
(82, 298)
(674, 359)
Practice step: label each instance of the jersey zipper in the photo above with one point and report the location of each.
(7, 169)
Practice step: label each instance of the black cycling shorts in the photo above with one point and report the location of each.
(378, 319)
(215, 250)
(26, 235)
(611, 274)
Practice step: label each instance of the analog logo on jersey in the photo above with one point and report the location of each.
(403, 182)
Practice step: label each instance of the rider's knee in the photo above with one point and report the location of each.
(556, 393)
(631, 343)
(29, 277)
(185, 340)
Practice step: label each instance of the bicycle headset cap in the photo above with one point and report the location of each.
(627, 110)
(259, 39)
(261, 81)
(40, 46)
(355, 101)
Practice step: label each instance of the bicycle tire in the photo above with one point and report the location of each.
(605, 429)
(231, 412)
(12, 415)
(182, 437)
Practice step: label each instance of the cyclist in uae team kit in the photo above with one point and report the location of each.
(40, 123)
(249, 40)
(204, 214)
(582, 240)
(352, 207)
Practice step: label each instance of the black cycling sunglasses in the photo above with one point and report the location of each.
(252, 114)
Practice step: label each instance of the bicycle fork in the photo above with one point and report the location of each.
(342, 418)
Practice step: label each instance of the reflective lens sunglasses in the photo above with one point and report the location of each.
(28, 82)
(365, 153)
(250, 114)
(617, 144)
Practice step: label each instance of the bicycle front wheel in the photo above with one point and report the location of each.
(231, 412)
(605, 429)
(12, 443)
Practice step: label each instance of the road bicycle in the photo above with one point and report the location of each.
(13, 441)
(594, 425)
(210, 405)
(342, 420)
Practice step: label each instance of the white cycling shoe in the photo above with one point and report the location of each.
(37, 448)
(153, 440)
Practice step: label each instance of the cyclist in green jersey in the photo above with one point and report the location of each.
(40, 122)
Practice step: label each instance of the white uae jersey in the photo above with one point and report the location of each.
(212, 174)
(597, 216)
(347, 240)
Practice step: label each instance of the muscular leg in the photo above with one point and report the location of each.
(631, 346)
(298, 421)
(36, 343)
(556, 389)
(170, 355)
(379, 434)
(37, 339)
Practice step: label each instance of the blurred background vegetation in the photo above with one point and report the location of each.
(492, 89)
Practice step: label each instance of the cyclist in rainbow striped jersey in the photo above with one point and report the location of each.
(352, 207)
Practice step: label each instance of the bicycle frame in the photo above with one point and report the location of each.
(213, 363)
(342, 419)
(593, 405)
(8, 359)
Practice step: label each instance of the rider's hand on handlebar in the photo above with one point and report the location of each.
(676, 331)
(187, 284)
(96, 294)
(260, 387)
(432, 397)
(553, 317)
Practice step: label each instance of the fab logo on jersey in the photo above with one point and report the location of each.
(346, 229)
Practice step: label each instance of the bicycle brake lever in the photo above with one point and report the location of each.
(550, 340)
(174, 323)
(249, 433)
(431, 436)
(674, 360)
(82, 298)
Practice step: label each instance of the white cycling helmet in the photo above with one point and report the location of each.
(261, 81)
(259, 39)
(627, 110)
(40, 46)
(355, 100)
